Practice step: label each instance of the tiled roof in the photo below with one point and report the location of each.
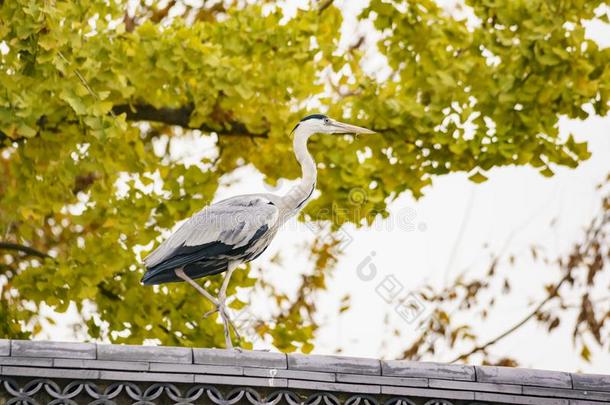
(181, 370)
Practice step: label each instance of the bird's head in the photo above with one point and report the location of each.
(321, 124)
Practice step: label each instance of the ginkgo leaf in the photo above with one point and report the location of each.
(477, 177)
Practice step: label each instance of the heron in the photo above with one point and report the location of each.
(226, 234)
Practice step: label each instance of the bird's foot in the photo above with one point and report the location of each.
(226, 318)
(221, 308)
(211, 312)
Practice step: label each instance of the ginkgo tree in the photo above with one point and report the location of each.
(95, 93)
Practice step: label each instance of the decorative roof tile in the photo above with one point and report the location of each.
(145, 374)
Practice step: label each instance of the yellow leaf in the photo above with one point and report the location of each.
(585, 353)
(478, 177)
(307, 348)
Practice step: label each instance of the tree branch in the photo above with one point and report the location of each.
(180, 117)
(24, 249)
(575, 258)
(324, 6)
(5, 140)
(516, 326)
(170, 116)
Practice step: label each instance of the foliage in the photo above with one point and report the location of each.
(96, 98)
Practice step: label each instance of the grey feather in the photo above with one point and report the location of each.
(232, 222)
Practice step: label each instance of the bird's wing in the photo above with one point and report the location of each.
(226, 225)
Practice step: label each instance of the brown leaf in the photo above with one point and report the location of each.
(554, 324)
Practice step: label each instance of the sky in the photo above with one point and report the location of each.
(450, 231)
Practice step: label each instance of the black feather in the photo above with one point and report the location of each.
(310, 117)
(314, 116)
(201, 261)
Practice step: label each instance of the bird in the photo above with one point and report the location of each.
(228, 233)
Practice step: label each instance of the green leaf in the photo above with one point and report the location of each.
(75, 101)
(26, 131)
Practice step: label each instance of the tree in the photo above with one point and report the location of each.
(96, 96)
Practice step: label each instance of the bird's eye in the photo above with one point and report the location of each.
(326, 121)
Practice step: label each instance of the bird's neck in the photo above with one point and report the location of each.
(299, 195)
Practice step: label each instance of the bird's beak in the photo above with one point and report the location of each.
(349, 129)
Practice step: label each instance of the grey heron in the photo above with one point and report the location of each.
(237, 230)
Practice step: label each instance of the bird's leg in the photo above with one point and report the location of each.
(226, 320)
(181, 274)
(210, 312)
(219, 303)
(225, 324)
(222, 309)
(233, 326)
(222, 295)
